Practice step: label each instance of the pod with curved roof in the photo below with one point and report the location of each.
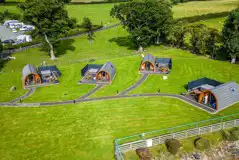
(148, 63)
(106, 73)
(215, 94)
(30, 76)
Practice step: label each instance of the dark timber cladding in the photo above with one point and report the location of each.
(90, 66)
(108, 68)
(164, 61)
(202, 81)
(53, 69)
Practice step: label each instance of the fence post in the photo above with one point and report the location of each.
(235, 123)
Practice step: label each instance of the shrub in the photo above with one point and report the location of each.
(234, 134)
(201, 143)
(231, 135)
(173, 145)
(144, 154)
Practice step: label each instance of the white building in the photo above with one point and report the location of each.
(24, 38)
(6, 23)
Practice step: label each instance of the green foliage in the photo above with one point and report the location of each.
(173, 145)
(201, 143)
(230, 34)
(146, 21)
(50, 18)
(144, 154)
(198, 39)
(87, 24)
(1, 46)
(8, 15)
(230, 135)
(177, 34)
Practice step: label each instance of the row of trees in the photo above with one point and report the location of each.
(151, 22)
(8, 15)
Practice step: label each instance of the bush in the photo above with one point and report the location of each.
(234, 134)
(231, 135)
(173, 145)
(201, 143)
(144, 154)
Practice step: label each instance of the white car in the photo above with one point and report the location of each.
(14, 30)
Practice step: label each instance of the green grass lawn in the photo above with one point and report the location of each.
(214, 23)
(100, 13)
(186, 69)
(194, 8)
(110, 45)
(87, 130)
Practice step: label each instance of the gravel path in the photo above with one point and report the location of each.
(140, 81)
(30, 92)
(183, 98)
(98, 86)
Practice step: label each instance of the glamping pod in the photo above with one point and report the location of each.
(214, 94)
(148, 63)
(30, 76)
(106, 73)
(153, 65)
(97, 74)
(44, 75)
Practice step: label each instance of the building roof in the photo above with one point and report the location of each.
(202, 81)
(227, 94)
(90, 67)
(27, 70)
(149, 58)
(46, 69)
(6, 34)
(110, 69)
(163, 60)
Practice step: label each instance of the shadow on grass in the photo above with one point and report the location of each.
(2, 64)
(64, 46)
(123, 41)
(61, 47)
(204, 17)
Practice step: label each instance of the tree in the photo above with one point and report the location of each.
(148, 21)
(1, 46)
(230, 34)
(50, 19)
(87, 24)
(177, 34)
(213, 43)
(198, 39)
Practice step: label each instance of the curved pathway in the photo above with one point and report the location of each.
(140, 81)
(98, 86)
(30, 92)
(180, 97)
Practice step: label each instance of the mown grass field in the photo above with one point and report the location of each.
(87, 130)
(99, 13)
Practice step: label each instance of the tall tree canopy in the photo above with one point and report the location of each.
(87, 24)
(50, 19)
(1, 46)
(147, 21)
(230, 34)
